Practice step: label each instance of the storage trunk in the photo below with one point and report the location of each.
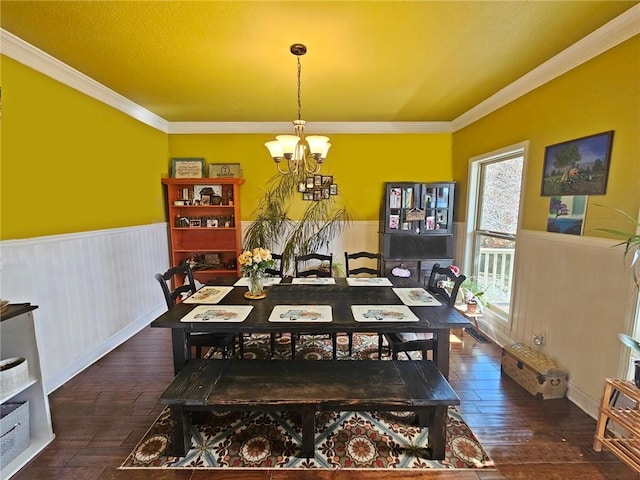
(539, 375)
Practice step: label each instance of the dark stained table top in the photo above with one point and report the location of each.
(340, 296)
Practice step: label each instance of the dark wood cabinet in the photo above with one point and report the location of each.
(416, 227)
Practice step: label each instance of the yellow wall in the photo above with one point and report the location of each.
(600, 95)
(360, 164)
(70, 163)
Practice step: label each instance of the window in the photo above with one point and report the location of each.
(494, 208)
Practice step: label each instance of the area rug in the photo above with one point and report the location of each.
(343, 440)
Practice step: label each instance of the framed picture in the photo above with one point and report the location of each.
(317, 180)
(333, 189)
(212, 222)
(211, 190)
(309, 183)
(325, 192)
(195, 222)
(566, 214)
(577, 167)
(307, 196)
(205, 199)
(302, 187)
(187, 167)
(225, 170)
(317, 194)
(327, 179)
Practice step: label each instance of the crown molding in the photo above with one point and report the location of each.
(310, 128)
(608, 36)
(599, 41)
(25, 53)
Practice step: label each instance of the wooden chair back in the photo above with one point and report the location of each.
(168, 278)
(315, 271)
(440, 274)
(352, 270)
(276, 271)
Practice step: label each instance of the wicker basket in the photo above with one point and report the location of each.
(14, 372)
(14, 431)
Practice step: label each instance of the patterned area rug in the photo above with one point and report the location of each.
(344, 440)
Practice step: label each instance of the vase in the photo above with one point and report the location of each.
(256, 286)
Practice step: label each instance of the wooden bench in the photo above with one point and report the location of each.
(308, 386)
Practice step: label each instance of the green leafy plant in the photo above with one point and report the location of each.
(472, 291)
(320, 222)
(631, 243)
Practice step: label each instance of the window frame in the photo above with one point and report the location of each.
(472, 233)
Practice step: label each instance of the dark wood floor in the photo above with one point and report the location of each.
(100, 415)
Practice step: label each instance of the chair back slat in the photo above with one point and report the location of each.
(376, 272)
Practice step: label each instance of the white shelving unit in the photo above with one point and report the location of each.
(18, 338)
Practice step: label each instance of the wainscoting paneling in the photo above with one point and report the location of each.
(94, 290)
(578, 292)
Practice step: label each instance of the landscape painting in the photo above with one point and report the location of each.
(577, 167)
(566, 214)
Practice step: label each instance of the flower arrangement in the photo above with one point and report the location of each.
(255, 261)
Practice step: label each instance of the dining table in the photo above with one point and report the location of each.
(322, 306)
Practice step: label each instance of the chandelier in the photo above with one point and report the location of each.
(303, 154)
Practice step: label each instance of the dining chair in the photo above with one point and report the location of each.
(219, 341)
(355, 265)
(321, 266)
(313, 264)
(359, 263)
(444, 283)
(276, 271)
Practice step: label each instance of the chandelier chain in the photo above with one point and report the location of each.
(299, 100)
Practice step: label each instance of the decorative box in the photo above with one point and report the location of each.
(14, 372)
(539, 375)
(14, 431)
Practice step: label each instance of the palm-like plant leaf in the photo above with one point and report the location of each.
(273, 228)
(631, 243)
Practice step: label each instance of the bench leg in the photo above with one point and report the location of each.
(308, 432)
(438, 432)
(181, 439)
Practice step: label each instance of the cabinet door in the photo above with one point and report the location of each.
(401, 199)
(437, 203)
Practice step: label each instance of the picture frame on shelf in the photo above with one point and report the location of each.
(195, 222)
(212, 222)
(577, 167)
(187, 167)
(225, 170)
(211, 190)
(205, 199)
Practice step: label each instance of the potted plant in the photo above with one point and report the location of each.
(272, 227)
(631, 242)
(473, 294)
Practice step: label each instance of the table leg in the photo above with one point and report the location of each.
(438, 432)
(442, 351)
(308, 415)
(181, 438)
(181, 351)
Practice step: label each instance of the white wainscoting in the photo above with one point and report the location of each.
(578, 292)
(94, 290)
